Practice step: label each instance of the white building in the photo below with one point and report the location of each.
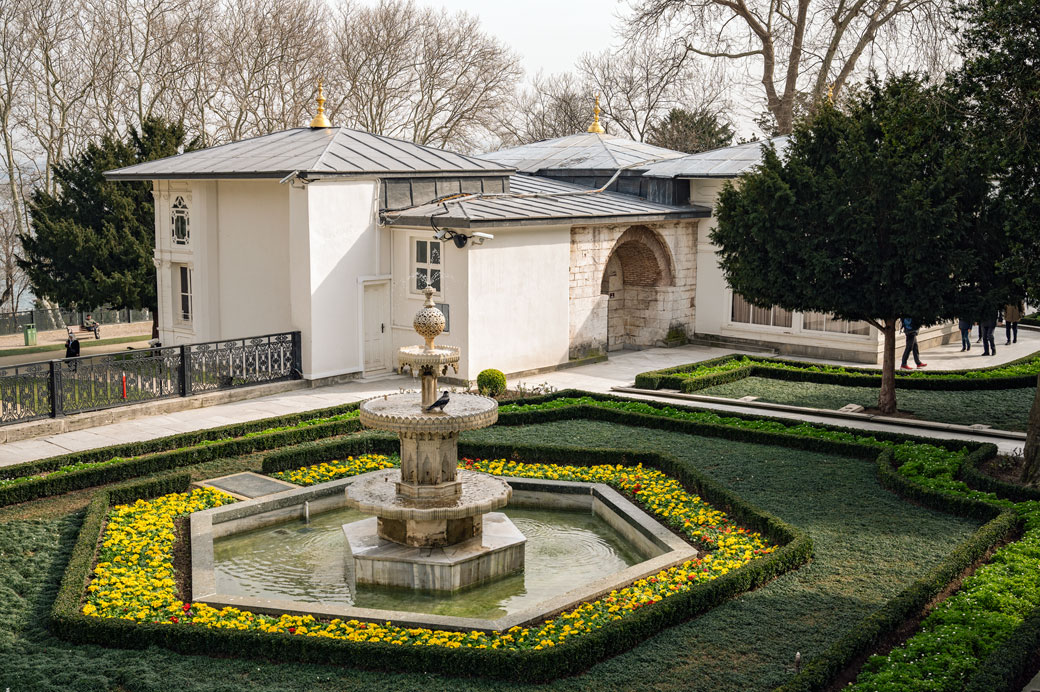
(335, 232)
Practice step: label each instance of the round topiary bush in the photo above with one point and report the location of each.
(491, 382)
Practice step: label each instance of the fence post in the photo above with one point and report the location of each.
(56, 407)
(297, 355)
(185, 369)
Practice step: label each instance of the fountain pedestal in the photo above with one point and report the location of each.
(428, 505)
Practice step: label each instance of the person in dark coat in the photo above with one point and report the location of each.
(965, 326)
(71, 346)
(910, 329)
(989, 325)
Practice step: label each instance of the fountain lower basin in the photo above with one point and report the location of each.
(542, 590)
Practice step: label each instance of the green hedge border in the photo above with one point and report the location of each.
(577, 655)
(165, 453)
(566, 660)
(672, 378)
(1032, 320)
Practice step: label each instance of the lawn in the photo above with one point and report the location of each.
(869, 546)
(1005, 409)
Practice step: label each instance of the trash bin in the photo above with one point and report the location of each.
(30, 334)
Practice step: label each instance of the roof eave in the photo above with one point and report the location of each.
(460, 222)
(310, 175)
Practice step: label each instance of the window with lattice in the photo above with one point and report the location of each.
(179, 221)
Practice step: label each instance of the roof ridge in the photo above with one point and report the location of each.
(332, 140)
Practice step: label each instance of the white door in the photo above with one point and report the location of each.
(377, 326)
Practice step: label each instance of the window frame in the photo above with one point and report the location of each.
(428, 266)
(182, 272)
(179, 210)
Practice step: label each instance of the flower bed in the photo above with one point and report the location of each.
(925, 472)
(133, 579)
(709, 373)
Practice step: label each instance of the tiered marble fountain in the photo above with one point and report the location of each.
(434, 526)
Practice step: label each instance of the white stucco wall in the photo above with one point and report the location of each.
(518, 300)
(252, 275)
(334, 241)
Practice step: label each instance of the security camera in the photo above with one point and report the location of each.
(440, 234)
(479, 238)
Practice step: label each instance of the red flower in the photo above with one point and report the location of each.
(186, 607)
(173, 619)
(292, 630)
(636, 488)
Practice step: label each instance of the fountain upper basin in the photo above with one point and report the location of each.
(403, 413)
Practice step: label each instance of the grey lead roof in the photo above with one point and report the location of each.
(728, 162)
(330, 151)
(601, 207)
(585, 151)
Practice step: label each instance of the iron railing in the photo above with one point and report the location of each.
(90, 383)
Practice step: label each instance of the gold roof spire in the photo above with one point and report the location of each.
(595, 126)
(320, 120)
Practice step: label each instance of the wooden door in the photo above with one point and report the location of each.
(376, 319)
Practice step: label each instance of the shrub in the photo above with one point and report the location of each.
(491, 382)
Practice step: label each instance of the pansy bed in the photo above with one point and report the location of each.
(133, 582)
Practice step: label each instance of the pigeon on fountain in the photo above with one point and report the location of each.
(440, 403)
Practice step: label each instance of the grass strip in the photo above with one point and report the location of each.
(692, 377)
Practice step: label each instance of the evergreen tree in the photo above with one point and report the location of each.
(874, 215)
(683, 130)
(93, 240)
(1000, 84)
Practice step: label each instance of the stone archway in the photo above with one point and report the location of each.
(638, 272)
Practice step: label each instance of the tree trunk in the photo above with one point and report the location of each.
(887, 397)
(1031, 470)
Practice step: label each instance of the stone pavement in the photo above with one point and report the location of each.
(620, 370)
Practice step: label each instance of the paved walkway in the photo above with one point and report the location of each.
(620, 370)
(85, 350)
(58, 336)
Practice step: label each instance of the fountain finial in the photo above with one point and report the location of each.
(429, 321)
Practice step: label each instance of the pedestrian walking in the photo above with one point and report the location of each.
(989, 325)
(71, 346)
(965, 327)
(1012, 316)
(910, 329)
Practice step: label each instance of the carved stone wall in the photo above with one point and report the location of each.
(629, 285)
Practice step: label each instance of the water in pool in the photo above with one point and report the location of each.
(304, 562)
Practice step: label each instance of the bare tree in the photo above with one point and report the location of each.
(809, 46)
(551, 106)
(642, 83)
(268, 55)
(424, 75)
(14, 59)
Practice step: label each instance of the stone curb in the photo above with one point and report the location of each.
(975, 430)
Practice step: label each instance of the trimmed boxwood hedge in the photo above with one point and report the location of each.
(673, 378)
(577, 654)
(574, 656)
(165, 453)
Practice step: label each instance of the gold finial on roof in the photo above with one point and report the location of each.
(595, 126)
(320, 120)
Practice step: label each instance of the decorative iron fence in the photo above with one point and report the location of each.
(90, 383)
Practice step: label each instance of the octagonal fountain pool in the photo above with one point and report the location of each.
(305, 562)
